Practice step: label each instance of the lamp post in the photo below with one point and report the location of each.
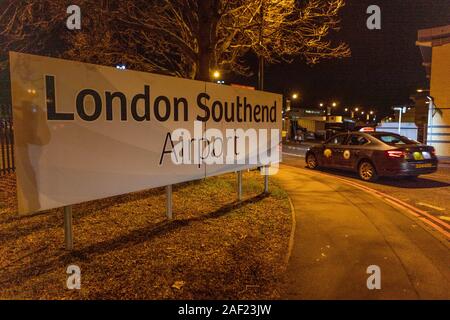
(430, 116)
(293, 96)
(400, 110)
(329, 108)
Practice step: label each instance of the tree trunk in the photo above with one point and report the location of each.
(208, 18)
(204, 59)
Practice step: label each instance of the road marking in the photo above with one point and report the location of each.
(401, 207)
(436, 227)
(293, 154)
(438, 224)
(400, 202)
(444, 218)
(439, 175)
(430, 206)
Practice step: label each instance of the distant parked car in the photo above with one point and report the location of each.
(373, 154)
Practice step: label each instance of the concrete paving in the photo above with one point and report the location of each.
(342, 230)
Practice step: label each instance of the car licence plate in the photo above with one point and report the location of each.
(424, 165)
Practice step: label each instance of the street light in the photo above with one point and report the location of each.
(216, 74)
(295, 96)
(431, 108)
(333, 105)
(321, 104)
(370, 113)
(400, 110)
(353, 112)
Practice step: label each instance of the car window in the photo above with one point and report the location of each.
(393, 139)
(357, 140)
(337, 140)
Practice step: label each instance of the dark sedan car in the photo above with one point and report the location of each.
(373, 154)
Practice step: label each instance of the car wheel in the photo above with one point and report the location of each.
(367, 172)
(413, 177)
(311, 161)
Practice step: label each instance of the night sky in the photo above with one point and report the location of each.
(385, 67)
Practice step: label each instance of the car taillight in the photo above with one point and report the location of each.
(395, 154)
(433, 151)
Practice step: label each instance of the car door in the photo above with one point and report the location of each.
(353, 149)
(333, 150)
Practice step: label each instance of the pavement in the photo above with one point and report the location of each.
(341, 230)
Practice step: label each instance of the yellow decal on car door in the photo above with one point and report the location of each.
(347, 154)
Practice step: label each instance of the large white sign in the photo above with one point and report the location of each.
(85, 132)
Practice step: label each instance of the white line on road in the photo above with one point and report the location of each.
(430, 206)
(294, 155)
(295, 148)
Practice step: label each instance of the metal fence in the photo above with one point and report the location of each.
(6, 140)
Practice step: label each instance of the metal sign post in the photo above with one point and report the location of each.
(239, 185)
(169, 212)
(266, 179)
(68, 230)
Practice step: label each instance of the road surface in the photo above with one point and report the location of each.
(430, 193)
(342, 229)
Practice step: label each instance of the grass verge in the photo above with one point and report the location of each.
(215, 248)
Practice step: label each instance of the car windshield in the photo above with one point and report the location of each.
(393, 139)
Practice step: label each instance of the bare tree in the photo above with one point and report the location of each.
(32, 26)
(186, 38)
